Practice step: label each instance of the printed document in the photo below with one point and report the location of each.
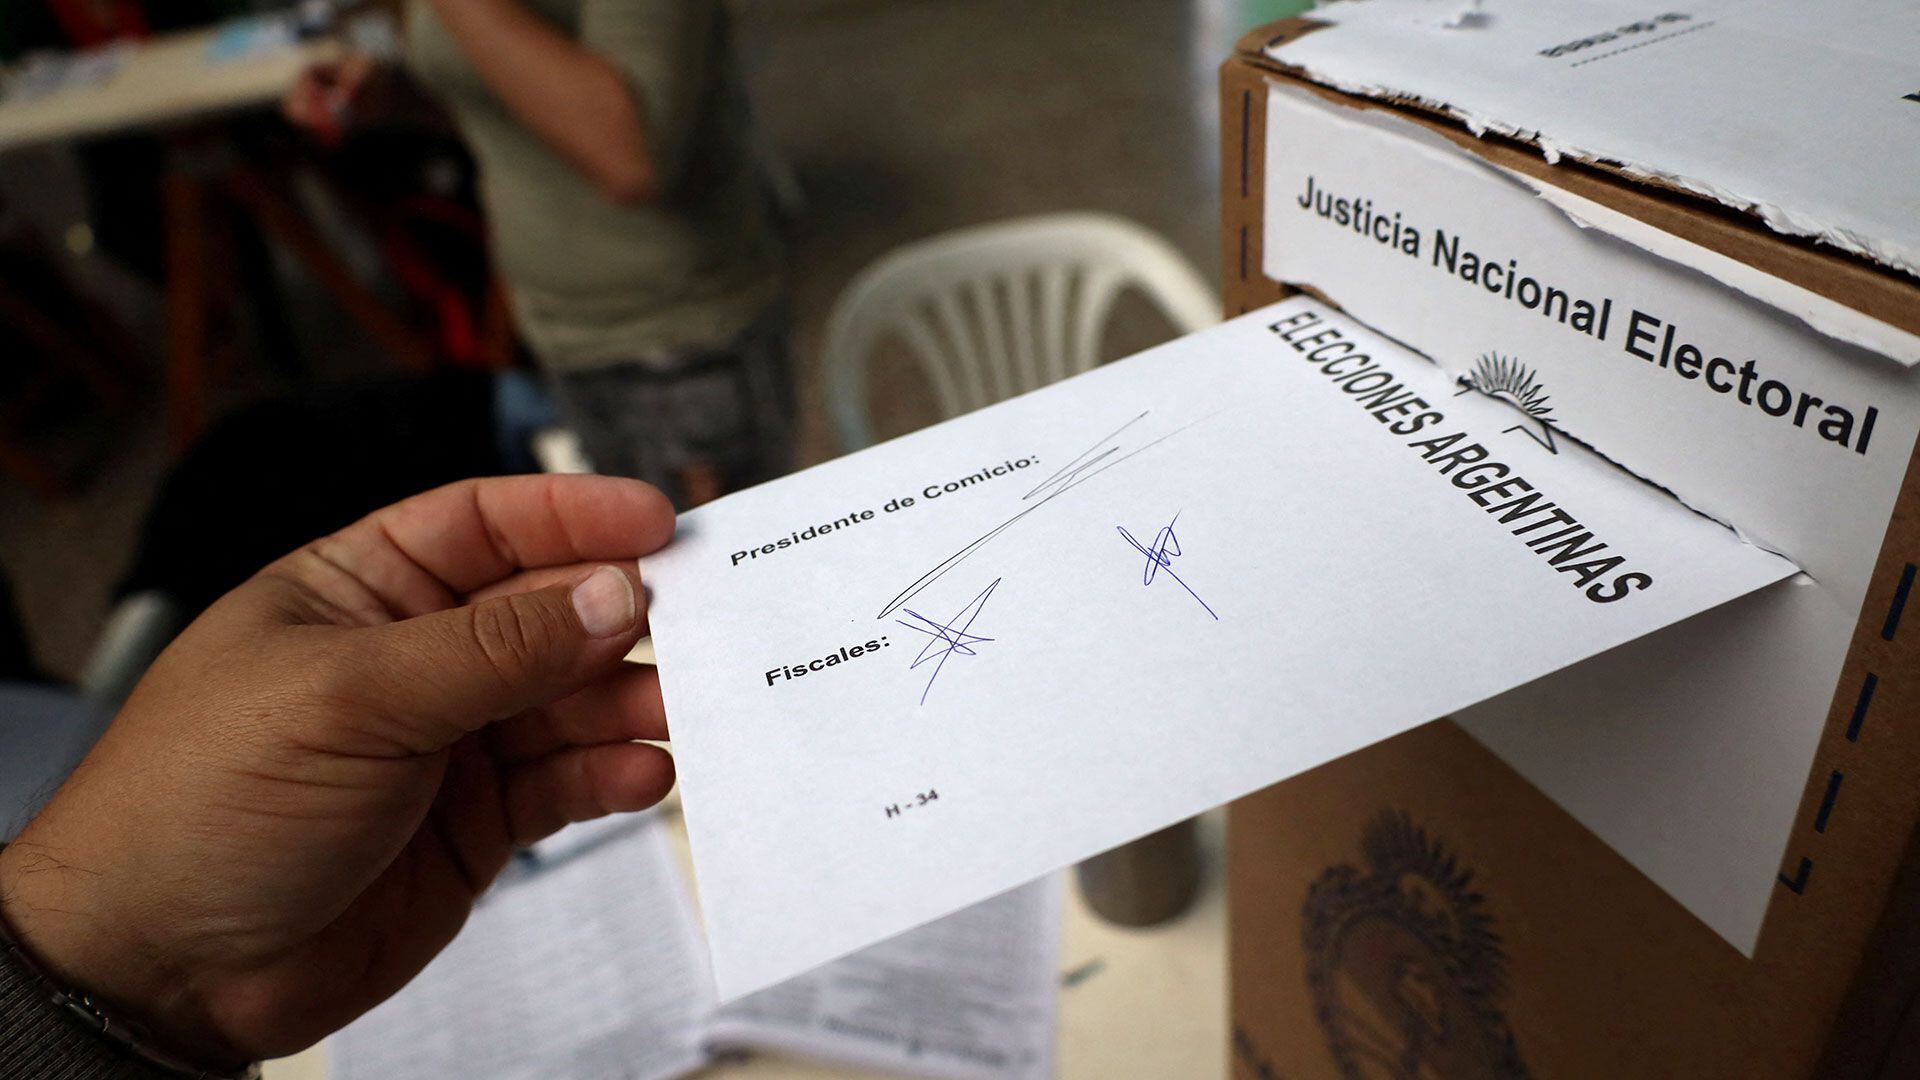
(584, 962)
(918, 676)
(972, 996)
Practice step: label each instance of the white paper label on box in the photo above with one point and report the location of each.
(1687, 752)
(917, 676)
(1806, 115)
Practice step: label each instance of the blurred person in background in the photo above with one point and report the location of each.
(629, 220)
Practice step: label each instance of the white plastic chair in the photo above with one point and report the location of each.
(997, 310)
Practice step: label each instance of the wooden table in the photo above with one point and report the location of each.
(174, 86)
(167, 81)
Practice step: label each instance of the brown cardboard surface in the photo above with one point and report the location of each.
(1424, 940)
(1903, 1059)
(1418, 901)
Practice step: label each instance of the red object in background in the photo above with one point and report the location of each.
(89, 24)
(455, 311)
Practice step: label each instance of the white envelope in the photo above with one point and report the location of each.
(923, 674)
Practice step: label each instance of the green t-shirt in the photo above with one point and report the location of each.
(593, 282)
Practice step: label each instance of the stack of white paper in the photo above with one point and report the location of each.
(584, 962)
(588, 966)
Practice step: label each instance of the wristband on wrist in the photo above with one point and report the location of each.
(81, 1008)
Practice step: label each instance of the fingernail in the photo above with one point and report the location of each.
(604, 603)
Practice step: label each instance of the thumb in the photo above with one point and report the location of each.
(453, 672)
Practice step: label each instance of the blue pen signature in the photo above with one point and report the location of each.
(1166, 548)
(944, 639)
(1120, 444)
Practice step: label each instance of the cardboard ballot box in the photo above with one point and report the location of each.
(1694, 856)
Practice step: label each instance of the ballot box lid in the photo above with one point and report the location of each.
(1807, 182)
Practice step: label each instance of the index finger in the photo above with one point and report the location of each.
(420, 554)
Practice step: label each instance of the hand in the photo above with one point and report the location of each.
(300, 802)
(331, 95)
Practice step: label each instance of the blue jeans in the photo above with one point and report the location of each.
(695, 424)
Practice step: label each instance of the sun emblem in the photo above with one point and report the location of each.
(1508, 379)
(1404, 965)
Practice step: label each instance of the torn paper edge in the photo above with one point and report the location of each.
(1822, 314)
(1781, 219)
(1424, 141)
(1461, 376)
(1825, 316)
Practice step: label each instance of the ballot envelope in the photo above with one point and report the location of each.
(920, 675)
